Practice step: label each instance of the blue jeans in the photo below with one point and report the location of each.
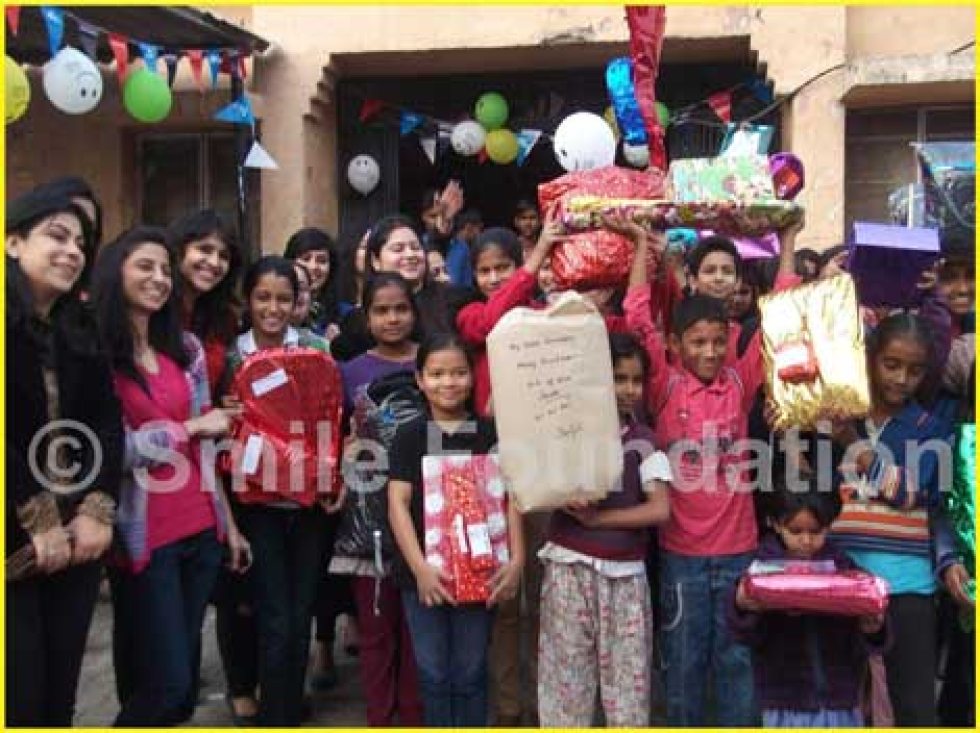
(157, 619)
(451, 646)
(696, 643)
(287, 545)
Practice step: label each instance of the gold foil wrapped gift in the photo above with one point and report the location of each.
(813, 353)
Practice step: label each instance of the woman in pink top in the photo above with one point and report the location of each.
(170, 518)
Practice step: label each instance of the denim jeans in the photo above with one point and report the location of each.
(451, 646)
(157, 619)
(287, 545)
(696, 644)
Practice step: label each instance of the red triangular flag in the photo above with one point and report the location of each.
(13, 18)
(721, 103)
(120, 50)
(370, 107)
(241, 66)
(225, 67)
(482, 156)
(197, 67)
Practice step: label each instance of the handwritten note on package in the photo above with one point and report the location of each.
(552, 382)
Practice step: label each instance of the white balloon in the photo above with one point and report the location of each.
(468, 138)
(637, 156)
(72, 82)
(363, 174)
(584, 141)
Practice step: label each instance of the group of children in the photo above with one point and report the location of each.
(639, 592)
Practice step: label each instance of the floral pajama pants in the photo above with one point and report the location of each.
(596, 632)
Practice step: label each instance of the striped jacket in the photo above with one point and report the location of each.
(890, 510)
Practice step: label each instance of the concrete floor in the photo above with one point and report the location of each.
(97, 706)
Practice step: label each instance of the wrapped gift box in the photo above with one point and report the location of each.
(726, 217)
(887, 261)
(730, 178)
(596, 259)
(813, 353)
(280, 389)
(552, 379)
(816, 587)
(465, 522)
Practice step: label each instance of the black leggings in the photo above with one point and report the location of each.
(48, 620)
(334, 596)
(237, 633)
(910, 664)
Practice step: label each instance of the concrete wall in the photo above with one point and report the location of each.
(291, 86)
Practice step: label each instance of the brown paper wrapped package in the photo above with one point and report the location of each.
(554, 403)
(825, 315)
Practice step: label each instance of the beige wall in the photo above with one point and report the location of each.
(292, 94)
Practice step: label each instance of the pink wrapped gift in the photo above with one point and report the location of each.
(816, 587)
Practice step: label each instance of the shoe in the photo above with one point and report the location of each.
(240, 721)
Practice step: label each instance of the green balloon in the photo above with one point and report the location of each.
(663, 114)
(146, 96)
(501, 146)
(491, 111)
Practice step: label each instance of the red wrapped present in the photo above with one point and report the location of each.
(288, 439)
(816, 587)
(465, 521)
(597, 259)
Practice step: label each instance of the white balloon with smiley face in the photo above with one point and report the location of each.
(468, 137)
(363, 174)
(584, 141)
(72, 82)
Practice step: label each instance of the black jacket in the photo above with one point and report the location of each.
(86, 395)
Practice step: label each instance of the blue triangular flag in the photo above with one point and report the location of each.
(54, 19)
(526, 140)
(760, 90)
(746, 139)
(214, 63)
(238, 112)
(409, 121)
(171, 60)
(150, 54)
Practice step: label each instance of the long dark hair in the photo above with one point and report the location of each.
(276, 265)
(77, 188)
(165, 334)
(903, 326)
(390, 280)
(68, 314)
(214, 311)
(312, 239)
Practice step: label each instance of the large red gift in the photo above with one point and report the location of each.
(288, 439)
(465, 521)
(595, 259)
(816, 587)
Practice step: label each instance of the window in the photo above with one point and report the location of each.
(879, 156)
(182, 172)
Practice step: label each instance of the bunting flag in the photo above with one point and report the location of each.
(242, 72)
(746, 139)
(526, 140)
(54, 19)
(760, 90)
(120, 50)
(238, 112)
(171, 60)
(721, 104)
(258, 158)
(646, 25)
(428, 144)
(150, 54)
(88, 36)
(197, 67)
(482, 156)
(369, 108)
(443, 141)
(409, 122)
(13, 18)
(229, 65)
(214, 63)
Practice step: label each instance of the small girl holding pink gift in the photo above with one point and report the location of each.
(808, 667)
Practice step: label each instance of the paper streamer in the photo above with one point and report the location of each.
(619, 83)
